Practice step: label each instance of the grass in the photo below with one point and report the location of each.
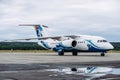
(114, 51)
(26, 51)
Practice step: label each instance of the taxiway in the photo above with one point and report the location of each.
(24, 58)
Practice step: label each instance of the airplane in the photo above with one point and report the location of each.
(70, 43)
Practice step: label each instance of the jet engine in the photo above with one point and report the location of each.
(69, 43)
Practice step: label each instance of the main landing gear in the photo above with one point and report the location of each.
(74, 53)
(61, 52)
(103, 54)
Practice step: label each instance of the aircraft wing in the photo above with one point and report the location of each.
(73, 36)
(52, 37)
(27, 39)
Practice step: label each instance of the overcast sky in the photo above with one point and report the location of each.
(64, 17)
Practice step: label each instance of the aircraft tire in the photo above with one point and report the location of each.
(61, 53)
(74, 53)
(102, 54)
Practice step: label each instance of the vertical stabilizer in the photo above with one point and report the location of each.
(40, 29)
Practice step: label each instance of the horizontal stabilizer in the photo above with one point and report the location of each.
(32, 25)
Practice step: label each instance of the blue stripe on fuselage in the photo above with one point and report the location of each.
(92, 44)
(61, 46)
(93, 47)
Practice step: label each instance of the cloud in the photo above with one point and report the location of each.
(63, 17)
(97, 6)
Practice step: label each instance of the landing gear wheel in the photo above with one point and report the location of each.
(74, 53)
(102, 54)
(61, 53)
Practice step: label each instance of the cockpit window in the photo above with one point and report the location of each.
(104, 41)
(99, 41)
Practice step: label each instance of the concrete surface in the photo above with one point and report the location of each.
(23, 58)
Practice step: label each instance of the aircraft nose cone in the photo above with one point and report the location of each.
(111, 47)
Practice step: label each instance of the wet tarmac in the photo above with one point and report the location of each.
(49, 66)
(58, 71)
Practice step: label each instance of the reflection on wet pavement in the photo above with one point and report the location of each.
(59, 72)
(89, 72)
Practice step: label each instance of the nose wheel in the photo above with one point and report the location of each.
(103, 54)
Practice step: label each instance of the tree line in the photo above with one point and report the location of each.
(34, 46)
(20, 46)
(116, 45)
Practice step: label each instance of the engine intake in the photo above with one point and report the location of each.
(69, 43)
(74, 43)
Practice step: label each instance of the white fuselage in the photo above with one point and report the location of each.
(83, 43)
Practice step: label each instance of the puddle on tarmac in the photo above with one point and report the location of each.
(90, 72)
(115, 71)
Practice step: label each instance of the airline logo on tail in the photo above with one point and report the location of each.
(39, 30)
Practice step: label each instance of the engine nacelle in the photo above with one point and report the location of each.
(69, 43)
